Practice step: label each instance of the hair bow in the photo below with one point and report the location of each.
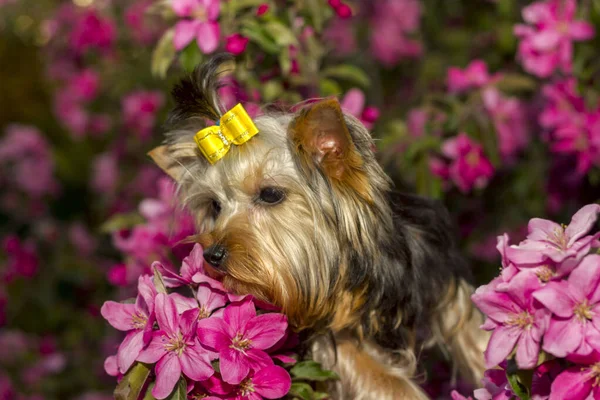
(234, 127)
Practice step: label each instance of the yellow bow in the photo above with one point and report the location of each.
(234, 127)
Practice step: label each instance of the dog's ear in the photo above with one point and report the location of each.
(321, 136)
(169, 158)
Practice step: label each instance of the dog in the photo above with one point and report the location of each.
(304, 217)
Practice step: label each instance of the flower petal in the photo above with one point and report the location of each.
(168, 372)
(183, 303)
(556, 297)
(563, 337)
(193, 263)
(118, 315)
(185, 31)
(265, 330)
(214, 333)
(155, 350)
(272, 382)
(238, 315)
(572, 384)
(209, 298)
(582, 222)
(195, 365)
(207, 36)
(129, 350)
(188, 322)
(233, 366)
(501, 343)
(166, 313)
(586, 276)
(528, 351)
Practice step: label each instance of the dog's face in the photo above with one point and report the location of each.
(278, 215)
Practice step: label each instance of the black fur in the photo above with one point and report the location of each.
(196, 95)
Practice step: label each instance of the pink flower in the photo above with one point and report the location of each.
(475, 75)
(139, 111)
(543, 376)
(514, 318)
(203, 26)
(510, 122)
(141, 29)
(579, 382)
(91, 31)
(175, 348)
(563, 106)
(271, 382)
(105, 173)
(469, 166)
(135, 319)
(547, 42)
(81, 238)
(22, 258)
(236, 43)
(392, 23)
(354, 104)
(580, 137)
(547, 239)
(117, 275)
(85, 85)
(575, 304)
(340, 36)
(241, 338)
(262, 9)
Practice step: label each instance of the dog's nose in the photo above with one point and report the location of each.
(215, 255)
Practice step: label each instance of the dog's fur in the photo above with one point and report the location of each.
(374, 275)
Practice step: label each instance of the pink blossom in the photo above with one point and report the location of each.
(475, 75)
(579, 382)
(469, 167)
(192, 271)
(547, 239)
(84, 85)
(105, 173)
(271, 382)
(392, 23)
(91, 31)
(510, 122)
(564, 106)
(262, 9)
(117, 275)
(240, 338)
(202, 26)
(175, 348)
(547, 41)
(543, 376)
(340, 36)
(110, 366)
(575, 304)
(142, 30)
(139, 112)
(236, 43)
(354, 104)
(514, 318)
(81, 238)
(580, 137)
(22, 258)
(135, 319)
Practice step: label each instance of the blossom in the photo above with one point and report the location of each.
(575, 304)
(91, 31)
(354, 104)
(240, 338)
(262, 9)
(510, 122)
(580, 137)
(340, 36)
(175, 348)
(514, 318)
(547, 239)
(141, 29)
(469, 167)
(392, 23)
(22, 258)
(579, 382)
(563, 105)
(202, 26)
(139, 111)
(236, 43)
(547, 41)
(105, 173)
(475, 75)
(136, 319)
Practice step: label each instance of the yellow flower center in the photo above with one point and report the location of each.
(204, 313)
(239, 343)
(544, 273)
(595, 370)
(138, 321)
(583, 311)
(559, 238)
(246, 387)
(523, 320)
(176, 344)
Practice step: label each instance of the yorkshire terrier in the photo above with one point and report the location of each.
(303, 216)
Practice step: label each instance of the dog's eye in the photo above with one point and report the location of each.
(215, 207)
(271, 195)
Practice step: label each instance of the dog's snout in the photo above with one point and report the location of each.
(215, 255)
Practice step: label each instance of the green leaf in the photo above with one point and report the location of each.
(234, 6)
(282, 35)
(255, 32)
(163, 54)
(148, 395)
(133, 382)
(121, 221)
(519, 380)
(190, 57)
(516, 83)
(271, 90)
(329, 87)
(320, 395)
(317, 12)
(285, 61)
(301, 390)
(348, 72)
(158, 281)
(312, 371)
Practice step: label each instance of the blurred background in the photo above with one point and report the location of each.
(489, 106)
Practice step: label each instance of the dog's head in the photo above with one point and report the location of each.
(284, 215)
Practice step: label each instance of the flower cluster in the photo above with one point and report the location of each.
(187, 336)
(545, 305)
